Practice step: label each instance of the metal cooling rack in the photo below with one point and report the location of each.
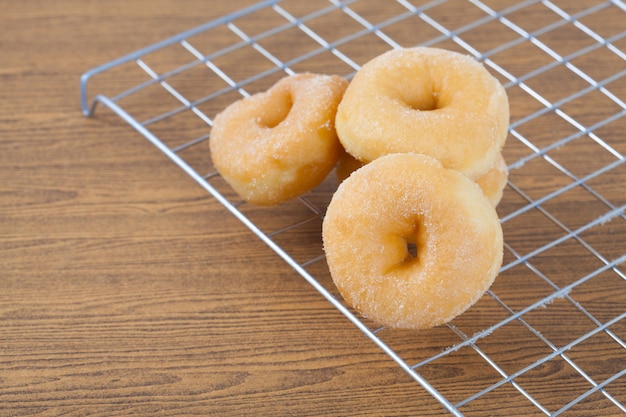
(551, 332)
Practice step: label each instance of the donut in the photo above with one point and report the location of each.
(493, 182)
(277, 144)
(400, 198)
(425, 100)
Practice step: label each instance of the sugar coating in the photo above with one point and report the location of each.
(278, 144)
(425, 100)
(400, 198)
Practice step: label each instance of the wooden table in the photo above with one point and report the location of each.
(126, 289)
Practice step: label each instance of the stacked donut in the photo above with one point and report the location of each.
(416, 138)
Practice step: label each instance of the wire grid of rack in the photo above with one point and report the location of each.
(552, 329)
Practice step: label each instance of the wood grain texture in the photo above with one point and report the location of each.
(126, 290)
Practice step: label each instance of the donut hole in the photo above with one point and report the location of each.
(279, 112)
(411, 248)
(424, 102)
(407, 257)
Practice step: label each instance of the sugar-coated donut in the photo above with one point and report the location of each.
(400, 198)
(493, 182)
(425, 100)
(278, 144)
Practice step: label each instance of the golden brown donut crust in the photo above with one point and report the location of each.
(493, 182)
